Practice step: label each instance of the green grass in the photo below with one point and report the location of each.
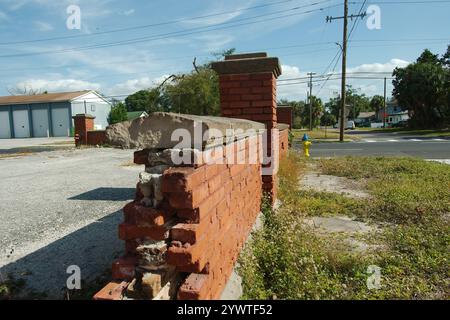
(322, 134)
(425, 132)
(410, 198)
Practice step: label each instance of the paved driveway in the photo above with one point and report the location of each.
(62, 208)
(10, 145)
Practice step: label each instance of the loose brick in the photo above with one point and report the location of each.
(130, 232)
(137, 214)
(194, 287)
(123, 268)
(112, 291)
(182, 179)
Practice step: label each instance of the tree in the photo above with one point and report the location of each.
(355, 102)
(317, 110)
(423, 88)
(118, 113)
(377, 103)
(139, 101)
(194, 93)
(428, 57)
(25, 91)
(327, 119)
(445, 60)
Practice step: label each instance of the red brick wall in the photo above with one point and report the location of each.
(85, 133)
(285, 115)
(249, 96)
(206, 215)
(82, 123)
(284, 142)
(96, 137)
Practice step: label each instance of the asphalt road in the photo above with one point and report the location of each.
(62, 208)
(384, 144)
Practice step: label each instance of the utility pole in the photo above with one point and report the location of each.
(384, 104)
(344, 63)
(310, 74)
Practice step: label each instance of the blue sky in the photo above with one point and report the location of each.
(303, 41)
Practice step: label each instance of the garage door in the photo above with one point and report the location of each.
(21, 124)
(5, 132)
(60, 118)
(40, 123)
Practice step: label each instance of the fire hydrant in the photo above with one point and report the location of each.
(306, 145)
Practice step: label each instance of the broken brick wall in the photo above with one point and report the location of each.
(186, 237)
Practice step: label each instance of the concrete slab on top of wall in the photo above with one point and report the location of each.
(156, 131)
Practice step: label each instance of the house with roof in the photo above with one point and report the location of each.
(136, 114)
(394, 114)
(364, 119)
(50, 114)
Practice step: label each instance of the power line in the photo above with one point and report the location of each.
(409, 2)
(121, 61)
(149, 25)
(219, 26)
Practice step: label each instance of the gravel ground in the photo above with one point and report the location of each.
(62, 208)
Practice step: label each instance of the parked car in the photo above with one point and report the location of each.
(350, 125)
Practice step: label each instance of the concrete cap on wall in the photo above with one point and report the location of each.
(158, 131)
(247, 63)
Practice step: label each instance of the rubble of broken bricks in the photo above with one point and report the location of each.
(149, 214)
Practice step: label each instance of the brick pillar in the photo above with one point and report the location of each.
(248, 91)
(83, 123)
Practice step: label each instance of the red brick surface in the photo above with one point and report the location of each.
(285, 115)
(112, 291)
(97, 137)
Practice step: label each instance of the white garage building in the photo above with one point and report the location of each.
(49, 115)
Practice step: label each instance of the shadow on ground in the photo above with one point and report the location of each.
(92, 248)
(107, 194)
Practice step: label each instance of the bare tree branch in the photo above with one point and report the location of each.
(195, 65)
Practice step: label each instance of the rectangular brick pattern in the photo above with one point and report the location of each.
(217, 206)
(249, 96)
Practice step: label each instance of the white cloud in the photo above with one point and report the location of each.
(230, 6)
(370, 87)
(4, 16)
(129, 12)
(380, 67)
(214, 42)
(133, 85)
(43, 26)
(59, 85)
(290, 89)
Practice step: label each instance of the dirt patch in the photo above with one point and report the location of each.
(353, 234)
(325, 183)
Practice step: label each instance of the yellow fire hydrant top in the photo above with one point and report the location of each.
(306, 145)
